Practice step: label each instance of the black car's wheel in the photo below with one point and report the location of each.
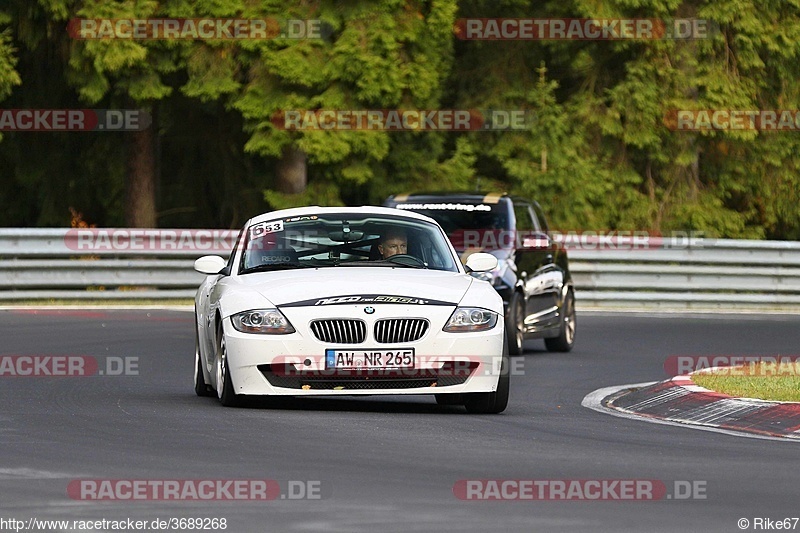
(492, 402)
(449, 399)
(200, 387)
(515, 324)
(566, 334)
(227, 396)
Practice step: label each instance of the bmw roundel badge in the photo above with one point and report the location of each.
(369, 310)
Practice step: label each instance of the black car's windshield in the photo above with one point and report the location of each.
(340, 239)
(468, 225)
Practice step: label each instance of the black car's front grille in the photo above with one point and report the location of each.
(340, 330)
(392, 330)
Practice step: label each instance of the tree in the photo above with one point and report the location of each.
(598, 154)
(129, 73)
(9, 77)
(377, 55)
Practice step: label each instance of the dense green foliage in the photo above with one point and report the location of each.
(597, 156)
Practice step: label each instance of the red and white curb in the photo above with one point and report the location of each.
(680, 402)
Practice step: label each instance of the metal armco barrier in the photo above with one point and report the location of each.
(112, 264)
(105, 264)
(724, 274)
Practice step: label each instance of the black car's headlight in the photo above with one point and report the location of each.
(262, 321)
(471, 319)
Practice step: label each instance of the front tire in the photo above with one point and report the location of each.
(200, 387)
(566, 335)
(227, 396)
(492, 402)
(515, 324)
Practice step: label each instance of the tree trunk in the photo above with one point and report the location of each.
(651, 183)
(291, 171)
(140, 185)
(694, 176)
(543, 160)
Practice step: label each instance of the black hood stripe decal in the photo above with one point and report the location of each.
(367, 299)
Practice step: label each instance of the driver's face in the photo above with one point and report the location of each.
(393, 246)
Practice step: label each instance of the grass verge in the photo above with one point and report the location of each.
(765, 381)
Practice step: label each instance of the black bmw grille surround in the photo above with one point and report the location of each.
(340, 330)
(393, 330)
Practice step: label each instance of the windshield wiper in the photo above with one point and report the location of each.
(383, 263)
(276, 266)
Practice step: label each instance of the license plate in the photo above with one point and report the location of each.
(370, 359)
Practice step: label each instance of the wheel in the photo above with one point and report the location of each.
(227, 396)
(566, 334)
(200, 387)
(449, 399)
(515, 324)
(492, 402)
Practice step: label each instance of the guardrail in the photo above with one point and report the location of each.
(719, 274)
(113, 264)
(105, 264)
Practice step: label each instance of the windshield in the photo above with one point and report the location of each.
(344, 240)
(468, 225)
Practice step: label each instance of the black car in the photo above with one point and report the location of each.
(532, 274)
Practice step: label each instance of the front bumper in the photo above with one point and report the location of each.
(294, 364)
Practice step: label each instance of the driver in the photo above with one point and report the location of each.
(393, 242)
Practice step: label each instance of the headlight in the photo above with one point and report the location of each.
(471, 319)
(262, 321)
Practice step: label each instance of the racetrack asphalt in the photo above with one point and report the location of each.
(387, 464)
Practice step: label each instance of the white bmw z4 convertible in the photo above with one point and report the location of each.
(349, 301)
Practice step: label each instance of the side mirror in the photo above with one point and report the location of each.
(210, 264)
(481, 262)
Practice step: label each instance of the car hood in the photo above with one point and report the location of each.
(309, 287)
